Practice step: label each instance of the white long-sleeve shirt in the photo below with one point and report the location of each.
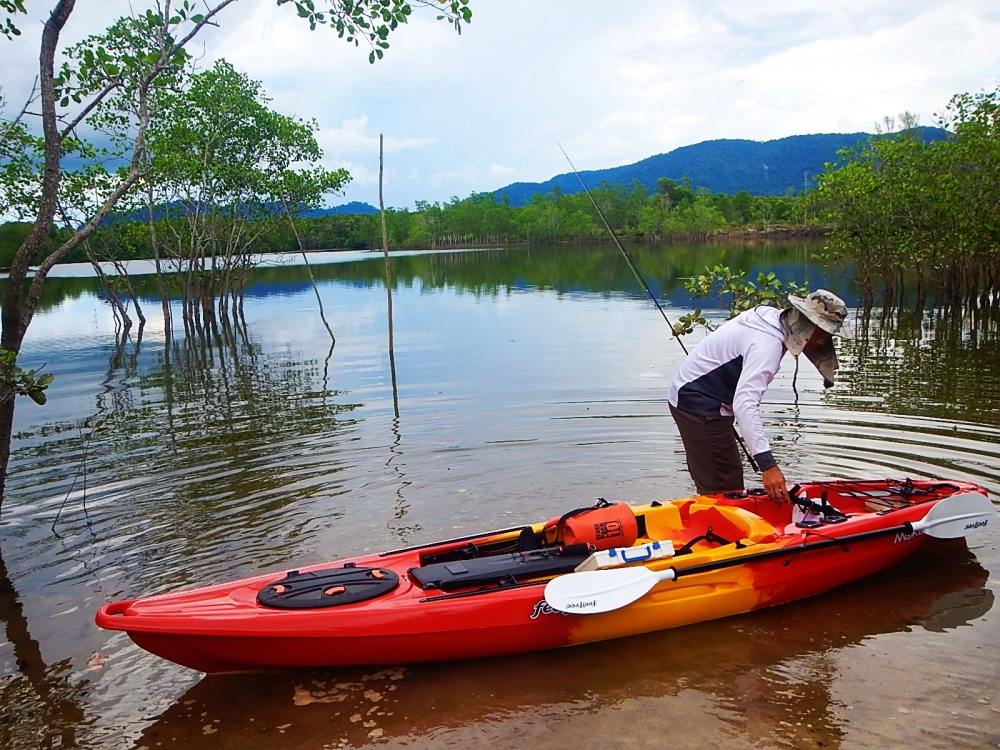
(728, 372)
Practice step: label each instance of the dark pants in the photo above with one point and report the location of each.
(713, 459)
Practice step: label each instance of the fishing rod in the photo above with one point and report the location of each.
(642, 281)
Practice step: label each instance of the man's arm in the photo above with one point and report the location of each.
(760, 363)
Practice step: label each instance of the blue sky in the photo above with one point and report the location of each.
(614, 82)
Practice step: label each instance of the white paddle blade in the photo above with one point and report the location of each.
(595, 591)
(958, 515)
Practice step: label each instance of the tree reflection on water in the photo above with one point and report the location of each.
(204, 405)
(941, 362)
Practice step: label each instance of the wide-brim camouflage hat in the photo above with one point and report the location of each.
(798, 331)
(825, 309)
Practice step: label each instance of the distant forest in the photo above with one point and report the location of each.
(674, 210)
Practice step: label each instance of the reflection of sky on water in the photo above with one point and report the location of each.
(600, 269)
(266, 260)
(458, 341)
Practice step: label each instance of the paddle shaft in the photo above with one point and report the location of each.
(597, 591)
(639, 277)
(843, 541)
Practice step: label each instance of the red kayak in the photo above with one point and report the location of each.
(591, 574)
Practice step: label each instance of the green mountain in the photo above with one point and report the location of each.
(721, 166)
(354, 207)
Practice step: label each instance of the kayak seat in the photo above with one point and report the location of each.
(728, 522)
(661, 522)
(509, 568)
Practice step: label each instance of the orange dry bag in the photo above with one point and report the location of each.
(606, 525)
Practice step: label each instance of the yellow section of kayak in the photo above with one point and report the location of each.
(706, 596)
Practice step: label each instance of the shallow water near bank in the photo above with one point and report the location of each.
(530, 381)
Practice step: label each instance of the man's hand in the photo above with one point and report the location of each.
(774, 483)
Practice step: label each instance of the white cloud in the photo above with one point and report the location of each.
(457, 176)
(499, 171)
(361, 174)
(613, 83)
(767, 70)
(353, 138)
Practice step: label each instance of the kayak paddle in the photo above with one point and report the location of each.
(594, 591)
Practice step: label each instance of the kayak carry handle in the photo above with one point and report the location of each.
(116, 608)
(110, 615)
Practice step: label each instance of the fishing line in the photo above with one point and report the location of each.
(639, 277)
(628, 258)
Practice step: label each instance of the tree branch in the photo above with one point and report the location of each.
(24, 110)
(90, 107)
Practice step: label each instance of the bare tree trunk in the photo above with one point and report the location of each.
(388, 281)
(119, 309)
(312, 279)
(14, 325)
(161, 285)
(130, 288)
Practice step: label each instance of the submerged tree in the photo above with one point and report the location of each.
(900, 205)
(222, 167)
(33, 178)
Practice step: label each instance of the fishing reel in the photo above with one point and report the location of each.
(815, 512)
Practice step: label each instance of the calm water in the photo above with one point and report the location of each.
(530, 381)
